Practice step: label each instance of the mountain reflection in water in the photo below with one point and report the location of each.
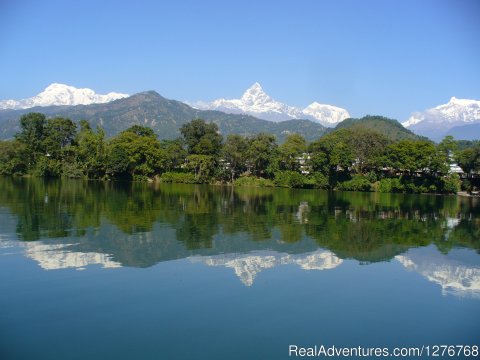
(247, 230)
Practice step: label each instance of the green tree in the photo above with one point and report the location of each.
(91, 150)
(332, 155)
(469, 159)
(202, 166)
(202, 138)
(141, 131)
(133, 155)
(172, 155)
(58, 134)
(367, 146)
(235, 154)
(289, 152)
(447, 150)
(32, 134)
(262, 149)
(13, 158)
(411, 156)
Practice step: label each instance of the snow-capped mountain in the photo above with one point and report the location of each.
(436, 122)
(256, 102)
(60, 94)
(328, 115)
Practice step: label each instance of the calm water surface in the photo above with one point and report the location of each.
(94, 270)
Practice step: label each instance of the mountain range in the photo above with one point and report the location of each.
(256, 102)
(459, 118)
(60, 94)
(254, 112)
(164, 116)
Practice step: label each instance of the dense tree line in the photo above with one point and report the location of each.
(346, 159)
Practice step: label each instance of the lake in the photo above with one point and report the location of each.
(103, 270)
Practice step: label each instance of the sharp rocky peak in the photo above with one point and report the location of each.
(256, 102)
(255, 92)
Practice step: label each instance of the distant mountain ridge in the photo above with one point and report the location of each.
(164, 116)
(256, 102)
(459, 117)
(438, 122)
(60, 94)
(391, 128)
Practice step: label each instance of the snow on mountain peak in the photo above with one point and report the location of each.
(61, 94)
(436, 122)
(330, 114)
(255, 92)
(460, 102)
(256, 102)
(255, 87)
(455, 111)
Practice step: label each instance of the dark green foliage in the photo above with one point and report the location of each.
(91, 152)
(117, 162)
(357, 183)
(414, 184)
(261, 153)
(332, 155)
(13, 158)
(355, 158)
(179, 178)
(172, 154)
(293, 147)
(134, 154)
(32, 135)
(389, 128)
(58, 134)
(390, 186)
(318, 180)
(235, 155)
(367, 146)
(202, 166)
(410, 156)
(291, 179)
(469, 159)
(47, 167)
(254, 182)
(141, 131)
(451, 184)
(201, 138)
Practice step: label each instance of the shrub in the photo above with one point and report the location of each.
(357, 183)
(466, 185)
(291, 179)
(253, 181)
(72, 170)
(46, 167)
(318, 181)
(178, 177)
(451, 183)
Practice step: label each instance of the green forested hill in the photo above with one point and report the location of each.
(392, 129)
(163, 115)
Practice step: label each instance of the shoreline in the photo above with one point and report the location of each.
(158, 181)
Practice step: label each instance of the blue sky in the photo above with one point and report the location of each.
(371, 57)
